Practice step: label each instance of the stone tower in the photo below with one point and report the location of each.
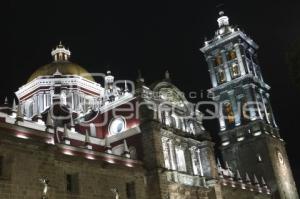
(250, 140)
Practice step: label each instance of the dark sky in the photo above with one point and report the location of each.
(153, 37)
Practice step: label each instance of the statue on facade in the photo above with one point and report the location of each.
(115, 192)
(45, 183)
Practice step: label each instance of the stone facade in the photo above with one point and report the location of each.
(25, 162)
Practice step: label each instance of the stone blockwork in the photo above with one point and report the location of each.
(26, 162)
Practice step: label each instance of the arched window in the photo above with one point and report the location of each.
(63, 98)
(93, 130)
(191, 127)
(231, 55)
(221, 75)
(218, 60)
(166, 118)
(180, 158)
(235, 71)
(228, 113)
(244, 110)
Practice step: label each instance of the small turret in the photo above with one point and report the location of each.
(60, 53)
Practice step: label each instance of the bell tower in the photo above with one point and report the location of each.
(250, 139)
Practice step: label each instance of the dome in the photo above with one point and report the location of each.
(62, 65)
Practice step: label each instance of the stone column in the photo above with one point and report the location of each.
(172, 155)
(271, 112)
(200, 163)
(225, 64)
(237, 116)
(257, 102)
(194, 160)
(264, 106)
(166, 153)
(251, 100)
(239, 58)
(221, 117)
(211, 71)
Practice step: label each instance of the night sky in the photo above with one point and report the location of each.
(129, 35)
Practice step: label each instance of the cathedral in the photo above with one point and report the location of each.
(71, 134)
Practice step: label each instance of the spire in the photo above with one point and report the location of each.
(125, 87)
(126, 150)
(263, 182)
(238, 176)
(87, 138)
(14, 106)
(107, 146)
(65, 135)
(219, 163)
(19, 113)
(257, 185)
(255, 181)
(6, 101)
(140, 80)
(60, 53)
(247, 180)
(72, 125)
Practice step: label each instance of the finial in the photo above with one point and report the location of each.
(87, 137)
(14, 106)
(140, 78)
(263, 182)
(125, 87)
(107, 146)
(247, 179)
(108, 72)
(257, 185)
(65, 131)
(226, 165)
(167, 75)
(6, 100)
(126, 150)
(218, 162)
(72, 124)
(238, 176)
(19, 113)
(255, 181)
